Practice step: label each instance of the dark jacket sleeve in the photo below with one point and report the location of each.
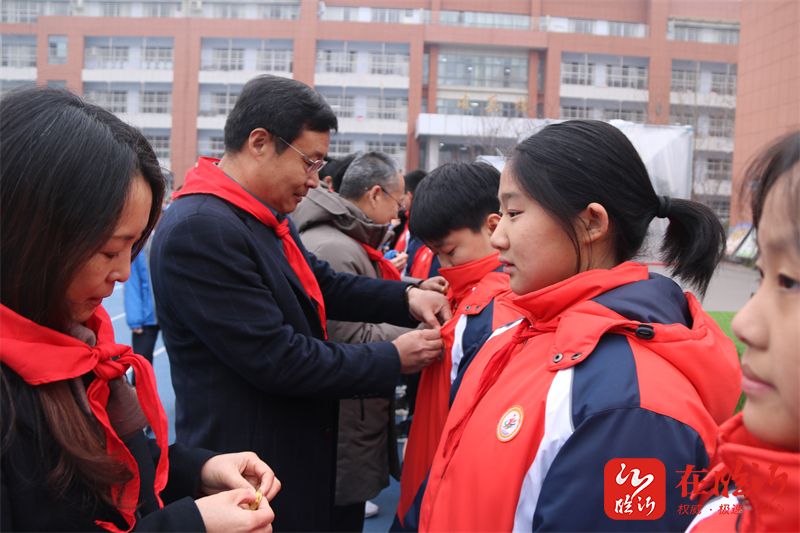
(578, 470)
(185, 464)
(213, 287)
(182, 515)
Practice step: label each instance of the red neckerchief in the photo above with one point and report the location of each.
(387, 269)
(42, 355)
(765, 476)
(207, 178)
(423, 260)
(464, 278)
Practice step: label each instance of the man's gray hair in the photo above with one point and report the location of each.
(366, 171)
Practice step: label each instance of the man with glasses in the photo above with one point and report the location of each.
(243, 306)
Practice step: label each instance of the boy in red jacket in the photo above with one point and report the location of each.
(455, 212)
(759, 447)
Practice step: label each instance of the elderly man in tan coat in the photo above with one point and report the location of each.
(347, 230)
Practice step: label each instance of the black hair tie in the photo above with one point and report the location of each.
(664, 207)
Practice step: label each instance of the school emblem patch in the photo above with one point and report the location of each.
(510, 424)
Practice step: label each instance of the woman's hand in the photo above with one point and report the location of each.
(229, 512)
(242, 470)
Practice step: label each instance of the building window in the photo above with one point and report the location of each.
(723, 83)
(114, 101)
(211, 147)
(389, 108)
(227, 11)
(718, 169)
(160, 144)
(157, 58)
(222, 103)
(388, 64)
(280, 11)
(574, 111)
(18, 55)
(575, 73)
(728, 36)
(720, 126)
(395, 149)
(473, 70)
(161, 9)
(226, 59)
(156, 102)
(19, 11)
(115, 9)
(581, 26)
(687, 33)
(626, 29)
(479, 19)
(56, 49)
(111, 57)
(631, 115)
(274, 60)
(683, 118)
(684, 80)
(343, 106)
(338, 61)
(340, 147)
(391, 16)
(703, 31)
(626, 76)
(720, 204)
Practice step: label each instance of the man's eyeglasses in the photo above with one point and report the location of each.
(401, 205)
(314, 165)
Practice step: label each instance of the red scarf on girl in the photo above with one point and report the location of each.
(386, 268)
(42, 355)
(207, 178)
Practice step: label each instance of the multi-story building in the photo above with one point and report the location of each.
(428, 81)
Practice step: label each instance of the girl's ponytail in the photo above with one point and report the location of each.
(694, 242)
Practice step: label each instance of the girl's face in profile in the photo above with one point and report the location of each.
(95, 280)
(769, 324)
(534, 249)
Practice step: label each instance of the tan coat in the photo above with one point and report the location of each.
(331, 228)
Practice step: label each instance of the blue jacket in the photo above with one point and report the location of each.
(139, 308)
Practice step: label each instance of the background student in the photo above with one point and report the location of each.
(456, 211)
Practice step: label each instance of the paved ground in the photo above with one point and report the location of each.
(730, 288)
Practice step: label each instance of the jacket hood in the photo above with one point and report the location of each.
(627, 300)
(322, 206)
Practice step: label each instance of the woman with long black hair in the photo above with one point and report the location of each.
(80, 191)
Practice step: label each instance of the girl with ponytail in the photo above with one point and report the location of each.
(610, 363)
(80, 191)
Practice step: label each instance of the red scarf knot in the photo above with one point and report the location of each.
(207, 178)
(282, 229)
(42, 355)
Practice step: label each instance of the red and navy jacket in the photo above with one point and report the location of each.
(764, 489)
(478, 297)
(607, 364)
